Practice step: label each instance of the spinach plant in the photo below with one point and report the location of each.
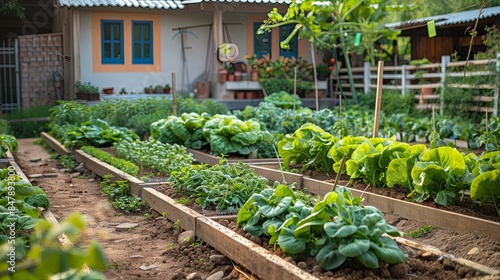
(335, 229)
(223, 186)
(485, 188)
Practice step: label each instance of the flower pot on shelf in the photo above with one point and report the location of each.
(222, 75)
(230, 77)
(249, 95)
(240, 95)
(254, 75)
(237, 76)
(108, 90)
(166, 90)
(89, 96)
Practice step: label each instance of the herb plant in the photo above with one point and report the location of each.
(163, 158)
(122, 164)
(7, 142)
(223, 186)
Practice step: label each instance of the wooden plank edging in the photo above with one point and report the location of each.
(101, 168)
(414, 211)
(253, 257)
(54, 144)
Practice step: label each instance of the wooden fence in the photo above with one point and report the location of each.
(440, 77)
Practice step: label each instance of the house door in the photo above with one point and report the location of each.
(262, 42)
(285, 30)
(10, 99)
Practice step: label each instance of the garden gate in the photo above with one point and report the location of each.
(10, 99)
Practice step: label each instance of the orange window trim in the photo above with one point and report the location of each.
(127, 65)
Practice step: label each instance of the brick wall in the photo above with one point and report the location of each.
(41, 63)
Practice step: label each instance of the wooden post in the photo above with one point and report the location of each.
(174, 95)
(445, 59)
(404, 81)
(378, 100)
(497, 84)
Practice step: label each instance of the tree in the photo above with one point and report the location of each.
(11, 6)
(346, 24)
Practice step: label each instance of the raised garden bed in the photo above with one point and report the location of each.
(260, 261)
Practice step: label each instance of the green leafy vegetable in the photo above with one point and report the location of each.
(485, 188)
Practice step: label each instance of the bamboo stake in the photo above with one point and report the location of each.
(378, 101)
(174, 95)
(294, 92)
(337, 178)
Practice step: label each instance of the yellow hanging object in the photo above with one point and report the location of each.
(431, 28)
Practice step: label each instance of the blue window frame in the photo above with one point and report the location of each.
(285, 30)
(142, 42)
(111, 41)
(262, 42)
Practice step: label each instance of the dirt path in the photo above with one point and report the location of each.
(154, 240)
(126, 251)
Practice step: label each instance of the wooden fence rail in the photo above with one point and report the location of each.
(410, 79)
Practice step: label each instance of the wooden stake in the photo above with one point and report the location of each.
(174, 95)
(378, 101)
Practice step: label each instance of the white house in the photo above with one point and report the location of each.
(134, 44)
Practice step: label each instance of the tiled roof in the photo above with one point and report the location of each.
(151, 4)
(239, 1)
(448, 19)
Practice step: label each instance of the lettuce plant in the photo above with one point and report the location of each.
(227, 134)
(308, 145)
(334, 230)
(185, 130)
(7, 142)
(485, 188)
(438, 174)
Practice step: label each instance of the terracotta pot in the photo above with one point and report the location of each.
(240, 95)
(230, 77)
(108, 90)
(237, 76)
(222, 75)
(166, 90)
(254, 75)
(249, 95)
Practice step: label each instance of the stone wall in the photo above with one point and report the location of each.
(41, 67)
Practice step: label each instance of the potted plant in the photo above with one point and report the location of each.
(86, 91)
(230, 72)
(166, 89)
(159, 89)
(419, 74)
(123, 91)
(322, 71)
(254, 71)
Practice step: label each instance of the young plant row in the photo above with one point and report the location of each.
(334, 230)
(440, 173)
(223, 186)
(122, 164)
(117, 192)
(161, 157)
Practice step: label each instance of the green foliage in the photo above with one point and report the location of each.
(124, 165)
(7, 142)
(485, 188)
(223, 186)
(86, 87)
(4, 126)
(185, 130)
(95, 132)
(68, 162)
(369, 161)
(117, 192)
(426, 229)
(227, 134)
(309, 145)
(44, 258)
(335, 229)
(284, 100)
(274, 84)
(68, 112)
(438, 174)
(161, 157)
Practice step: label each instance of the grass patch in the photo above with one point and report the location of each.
(421, 231)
